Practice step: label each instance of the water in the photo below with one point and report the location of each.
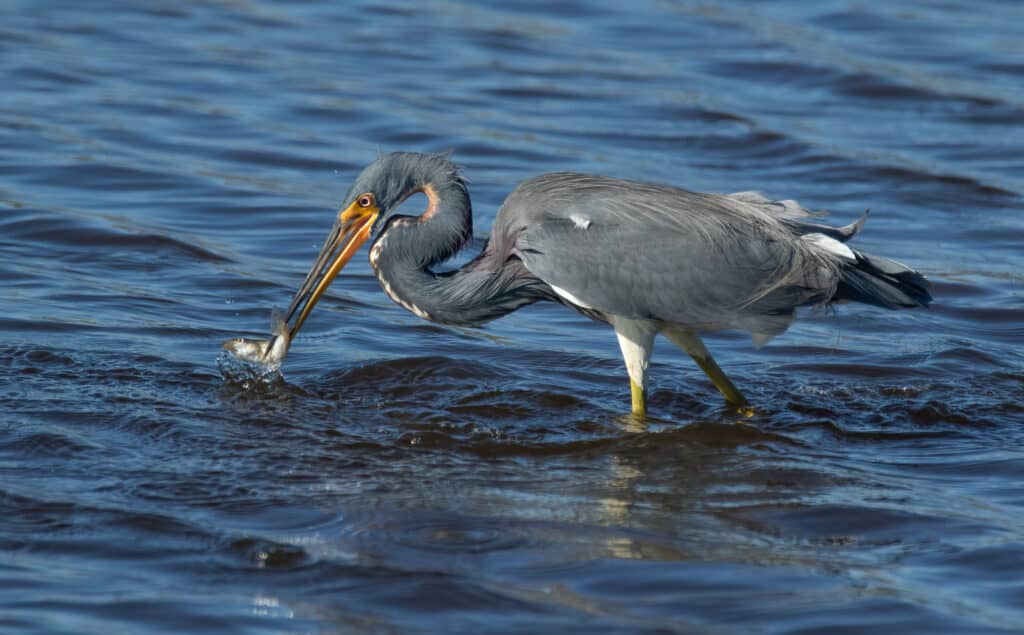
(168, 174)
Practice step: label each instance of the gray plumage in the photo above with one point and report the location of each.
(707, 261)
(645, 258)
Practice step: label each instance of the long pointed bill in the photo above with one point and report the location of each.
(346, 237)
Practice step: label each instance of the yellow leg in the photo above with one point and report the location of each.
(694, 347)
(732, 394)
(639, 396)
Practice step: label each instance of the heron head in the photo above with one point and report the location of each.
(372, 200)
(387, 182)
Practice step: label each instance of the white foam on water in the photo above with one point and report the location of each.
(248, 374)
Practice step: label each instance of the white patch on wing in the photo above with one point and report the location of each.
(579, 221)
(830, 245)
(570, 297)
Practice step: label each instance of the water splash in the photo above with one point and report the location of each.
(249, 375)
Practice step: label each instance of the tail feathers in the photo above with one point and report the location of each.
(882, 282)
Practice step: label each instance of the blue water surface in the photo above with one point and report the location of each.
(169, 171)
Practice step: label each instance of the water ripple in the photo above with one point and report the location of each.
(169, 173)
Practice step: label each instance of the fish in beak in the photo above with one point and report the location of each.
(265, 352)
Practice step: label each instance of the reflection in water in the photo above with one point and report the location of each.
(264, 606)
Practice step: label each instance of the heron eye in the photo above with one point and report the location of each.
(365, 200)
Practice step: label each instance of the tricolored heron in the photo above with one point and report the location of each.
(644, 258)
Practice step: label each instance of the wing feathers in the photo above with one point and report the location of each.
(656, 252)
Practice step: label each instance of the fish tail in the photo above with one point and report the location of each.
(278, 326)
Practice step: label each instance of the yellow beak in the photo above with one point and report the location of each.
(348, 234)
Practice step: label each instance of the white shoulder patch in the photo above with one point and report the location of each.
(830, 245)
(570, 297)
(579, 221)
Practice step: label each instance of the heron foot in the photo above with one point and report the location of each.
(745, 412)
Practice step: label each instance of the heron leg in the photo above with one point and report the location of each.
(636, 339)
(694, 347)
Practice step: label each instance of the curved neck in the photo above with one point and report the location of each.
(442, 230)
(409, 247)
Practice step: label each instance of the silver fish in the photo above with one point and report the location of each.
(270, 351)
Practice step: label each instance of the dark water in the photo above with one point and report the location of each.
(167, 175)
